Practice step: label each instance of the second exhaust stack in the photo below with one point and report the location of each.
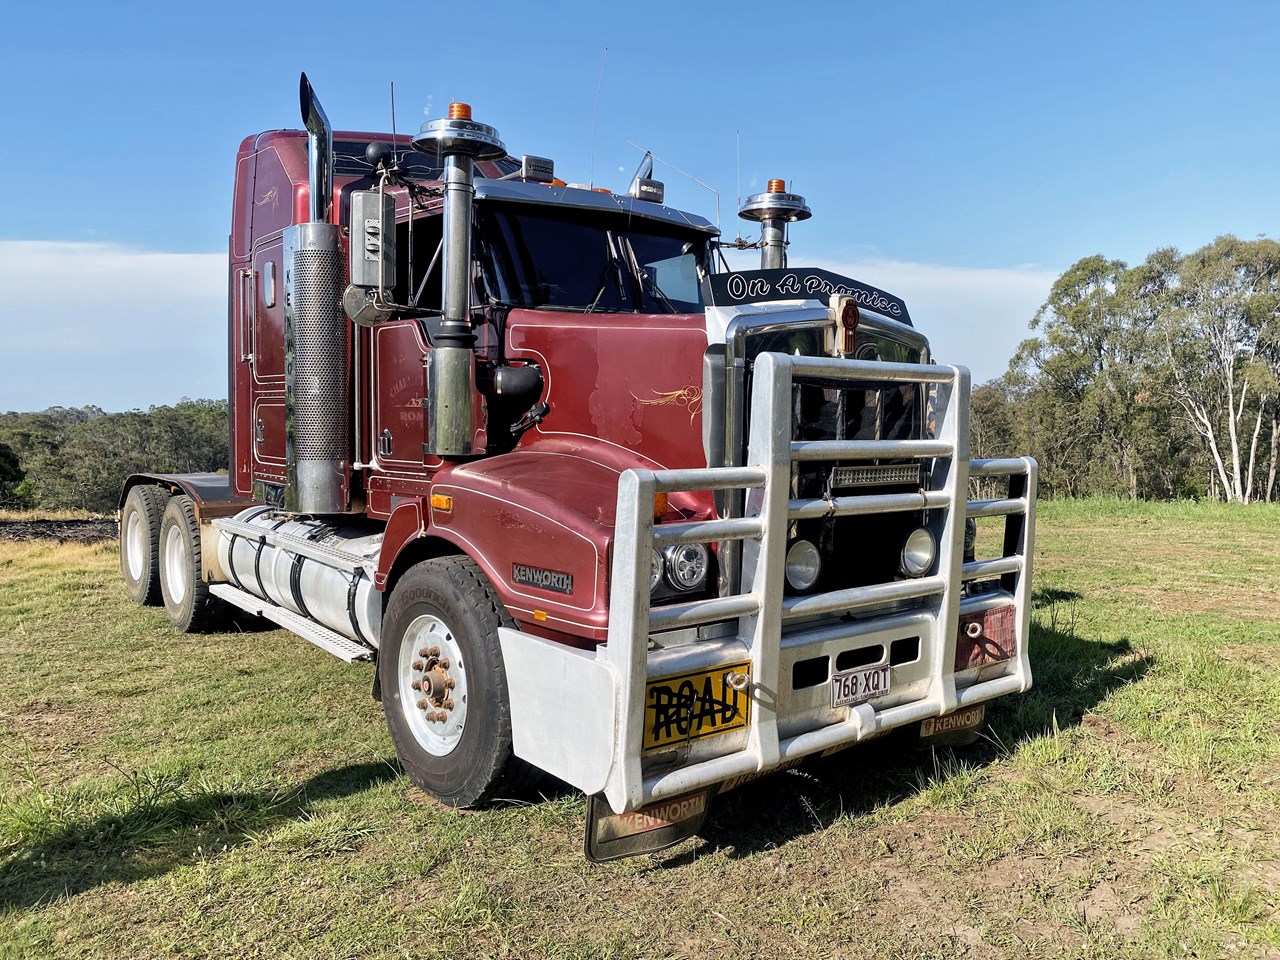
(451, 364)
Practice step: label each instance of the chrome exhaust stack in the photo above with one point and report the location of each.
(317, 389)
(773, 210)
(320, 150)
(451, 364)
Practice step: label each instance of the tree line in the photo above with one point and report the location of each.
(78, 457)
(1156, 381)
(1160, 380)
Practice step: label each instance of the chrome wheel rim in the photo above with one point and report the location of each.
(432, 680)
(133, 545)
(175, 565)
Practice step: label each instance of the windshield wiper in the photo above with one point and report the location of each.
(616, 264)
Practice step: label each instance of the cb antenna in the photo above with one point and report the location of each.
(737, 136)
(595, 117)
(395, 144)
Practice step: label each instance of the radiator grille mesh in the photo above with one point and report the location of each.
(319, 357)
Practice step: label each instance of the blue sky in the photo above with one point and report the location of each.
(959, 155)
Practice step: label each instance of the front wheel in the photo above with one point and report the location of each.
(444, 687)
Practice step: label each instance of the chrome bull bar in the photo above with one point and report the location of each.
(604, 752)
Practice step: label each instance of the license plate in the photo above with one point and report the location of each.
(859, 686)
(691, 706)
(965, 719)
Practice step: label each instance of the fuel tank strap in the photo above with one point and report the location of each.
(351, 609)
(257, 565)
(231, 566)
(295, 585)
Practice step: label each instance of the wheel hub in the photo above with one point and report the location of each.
(432, 680)
(433, 685)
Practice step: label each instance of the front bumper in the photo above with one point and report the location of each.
(580, 715)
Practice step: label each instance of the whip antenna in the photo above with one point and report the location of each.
(595, 117)
(737, 135)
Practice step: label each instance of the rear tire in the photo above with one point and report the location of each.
(140, 521)
(187, 601)
(450, 724)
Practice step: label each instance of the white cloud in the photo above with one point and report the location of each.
(96, 323)
(972, 316)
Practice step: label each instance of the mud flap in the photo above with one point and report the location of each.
(614, 836)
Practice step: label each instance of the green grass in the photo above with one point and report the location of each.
(236, 795)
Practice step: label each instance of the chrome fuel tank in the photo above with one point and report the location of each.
(328, 582)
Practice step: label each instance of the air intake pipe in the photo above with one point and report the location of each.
(774, 209)
(317, 391)
(451, 364)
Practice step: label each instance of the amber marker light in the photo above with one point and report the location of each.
(777, 186)
(659, 504)
(459, 111)
(442, 502)
(540, 616)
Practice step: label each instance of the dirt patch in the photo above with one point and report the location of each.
(61, 531)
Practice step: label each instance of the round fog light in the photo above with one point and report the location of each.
(804, 564)
(687, 565)
(655, 570)
(918, 552)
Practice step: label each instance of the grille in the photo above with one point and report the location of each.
(319, 345)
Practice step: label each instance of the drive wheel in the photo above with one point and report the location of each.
(187, 600)
(444, 687)
(140, 543)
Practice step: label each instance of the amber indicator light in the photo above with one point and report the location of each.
(777, 186)
(459, 111)
(442, 502)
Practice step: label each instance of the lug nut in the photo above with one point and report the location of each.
(444, 663)
(432, 652)
(450, 683)
(423, 704)
(418, 664)
(417, 684)
(448, 703)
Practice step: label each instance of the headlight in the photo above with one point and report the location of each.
(804, 564)
(655, 570)
(918, 552)
(686, 565)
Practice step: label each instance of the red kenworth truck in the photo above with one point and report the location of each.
(596, 504)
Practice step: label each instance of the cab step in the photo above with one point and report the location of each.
(328, 640)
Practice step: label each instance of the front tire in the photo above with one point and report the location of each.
(444, 687)
(140, 521)
(187, 601)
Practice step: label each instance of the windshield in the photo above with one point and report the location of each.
(571, 259)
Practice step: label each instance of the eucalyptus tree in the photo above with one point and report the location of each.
(1084, 381)
(1218, 312)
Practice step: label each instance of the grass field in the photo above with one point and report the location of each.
(235, 795)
